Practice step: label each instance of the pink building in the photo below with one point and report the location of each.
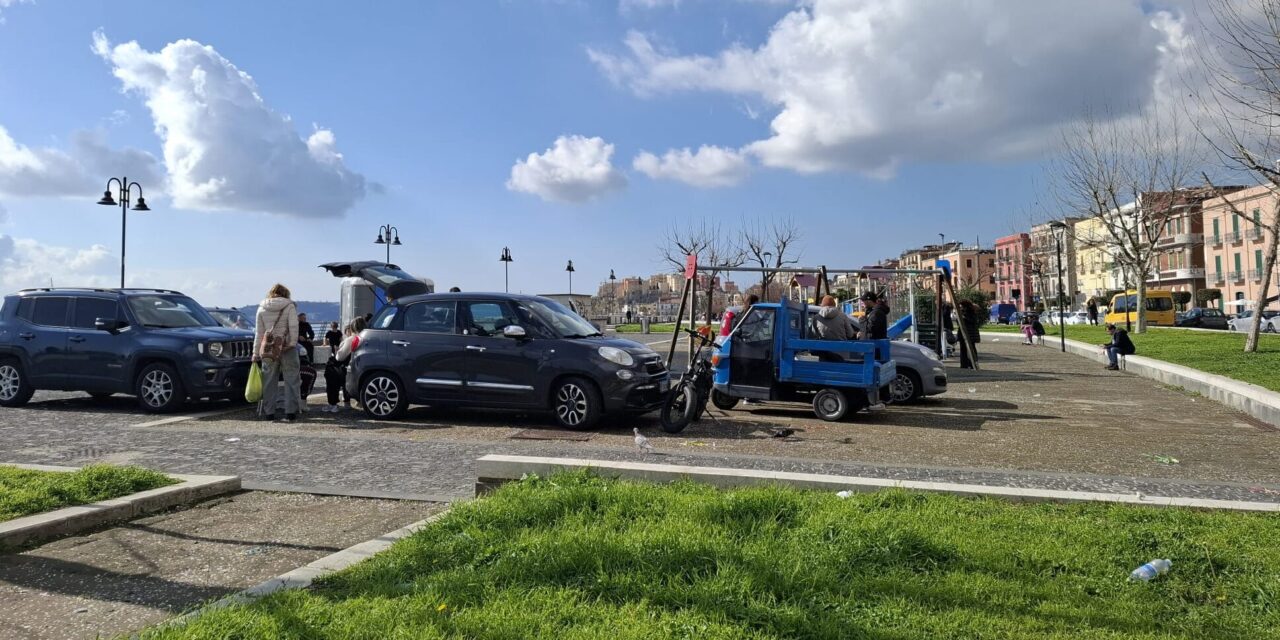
(1013, 277)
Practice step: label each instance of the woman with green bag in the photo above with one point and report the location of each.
(253, 388)
(275, 346)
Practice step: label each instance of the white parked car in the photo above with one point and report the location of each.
(1077, 317)
(1270, 321)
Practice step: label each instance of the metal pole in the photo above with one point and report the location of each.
(124, 211)
(1062, 321)
(506, 277)
(915, 320)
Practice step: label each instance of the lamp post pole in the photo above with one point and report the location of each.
(570, 269)
(506, 261)
(387, 231)
(1059, 229)
(764, 277)
(125, 188)
(613, 293)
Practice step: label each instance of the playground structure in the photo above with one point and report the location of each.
(920, 316)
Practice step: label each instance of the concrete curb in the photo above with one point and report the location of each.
(494, 470)
(1261, 403)
(303, 576)
(43, 526)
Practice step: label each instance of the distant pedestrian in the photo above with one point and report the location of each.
(1093, 311)
(1120, 345)
(969, 337)
(948, 329)
(877, 322)
(307, 336)
(335, 371)
(275, 346)
(454, 290)
(1028, 329)
(333, 337)
(627, 310)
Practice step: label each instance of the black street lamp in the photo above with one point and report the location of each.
(764, 277)
(506, 261)
(1059, 230)
(570, 269)
(613, 293)
(126, 189)
(385, 233)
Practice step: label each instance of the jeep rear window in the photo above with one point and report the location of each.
(51, 312)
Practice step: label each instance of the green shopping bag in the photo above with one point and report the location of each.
(253, 389)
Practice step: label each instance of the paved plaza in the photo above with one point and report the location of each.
(1032, 417)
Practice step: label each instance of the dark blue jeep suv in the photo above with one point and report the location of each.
(156, 344)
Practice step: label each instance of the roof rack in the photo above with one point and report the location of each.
(100, 289)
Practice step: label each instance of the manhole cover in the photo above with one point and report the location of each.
(551, 434)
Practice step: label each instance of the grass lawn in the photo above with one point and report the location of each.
(665, 327)
(578, 557)
(24, 492)
(1220, 352)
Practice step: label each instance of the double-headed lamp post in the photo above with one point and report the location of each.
(570, 269)
(506, 261)
(1059, 229)
(385, 233)
(126, 189)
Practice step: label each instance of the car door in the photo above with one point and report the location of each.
(97, 358)
(43, 335)
(428, 352)
(751, 365)
(500, 370)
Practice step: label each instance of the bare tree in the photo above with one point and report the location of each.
(1128, 174)
(714, 247)
(1240, 86)
(771, 246)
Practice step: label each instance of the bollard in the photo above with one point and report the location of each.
(644, 325)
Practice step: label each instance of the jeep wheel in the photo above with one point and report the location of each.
(383, 397)
(15, 390)
(159, 389)
(577, 404)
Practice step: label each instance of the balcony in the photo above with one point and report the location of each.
(1235, 276)
(1180, 239)
(1232, 238)
(1182, 274)
(1255, 274)
(1254, 234)
(1216, 278)
(1215, 240)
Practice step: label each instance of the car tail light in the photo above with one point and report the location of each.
(715, 360)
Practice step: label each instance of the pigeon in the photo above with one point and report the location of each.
(778, 432)
(642, 442)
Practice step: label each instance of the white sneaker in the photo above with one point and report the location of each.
(333, 408)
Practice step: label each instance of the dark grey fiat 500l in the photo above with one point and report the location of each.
(502, 351)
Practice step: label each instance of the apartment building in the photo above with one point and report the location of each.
(1235, 242)
(1180, 252)
(1096, 272)
(971, 267)
(1043, 260)
(1013, 275)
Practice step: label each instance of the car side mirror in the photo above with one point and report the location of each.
(110, 325)
(514, 331)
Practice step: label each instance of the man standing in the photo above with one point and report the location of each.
(306, 336)
(1120, 345)
(877, 316)
(1093, 311)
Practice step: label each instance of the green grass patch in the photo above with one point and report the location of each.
(578, 557)
(666, 327)
(24, 492)
(1220, 352)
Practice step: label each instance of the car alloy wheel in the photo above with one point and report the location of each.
(381, 396)
(10, 382)
(157, 388)
(572, 404)
(903, 388)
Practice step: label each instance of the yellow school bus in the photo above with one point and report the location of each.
(1159, 308)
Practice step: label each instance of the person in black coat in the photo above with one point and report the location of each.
(969, 340)
(306, 336)
(1120, 345)
(877, 317)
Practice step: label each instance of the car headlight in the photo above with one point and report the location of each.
(215, 349)
(617, 356)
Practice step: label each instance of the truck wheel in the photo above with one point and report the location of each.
(830, 404)
(723, 401)
(15, 389)
(577, 404)
(159, 389)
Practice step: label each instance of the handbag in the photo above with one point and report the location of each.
(272, 345)
(253, 388)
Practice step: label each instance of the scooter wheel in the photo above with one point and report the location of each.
(679, 409)
(830, 404)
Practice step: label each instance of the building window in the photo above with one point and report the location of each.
(1215, 228)
(1235, 223)
(1217, 265)
(1237, 259)
(1257, 260)
(1257, 217)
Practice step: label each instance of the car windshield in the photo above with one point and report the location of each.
(169, 312)
(231, 318)
(564, 322)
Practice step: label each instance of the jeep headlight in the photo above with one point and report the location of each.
(617, 356)
(215, 349)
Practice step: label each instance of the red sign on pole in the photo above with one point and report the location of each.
(690, 265)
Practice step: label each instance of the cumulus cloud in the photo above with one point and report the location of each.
(79, 171)
(575, 169)
(27, 263)
(707, 167)
(224, 148)
(5, 4)
(866, 85)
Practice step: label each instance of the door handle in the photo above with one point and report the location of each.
(27, 336)
(400, 343)
(76, 338)
(474, 348)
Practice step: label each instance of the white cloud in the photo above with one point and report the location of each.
(4, 214)
(866, 85)
(707, 167)
(224, 148)
(5, 4)
(574, 169)
(26, 263)
(81, 172)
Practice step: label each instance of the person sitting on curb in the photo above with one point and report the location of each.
(1120, 345)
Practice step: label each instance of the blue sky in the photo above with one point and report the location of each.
(430, 104)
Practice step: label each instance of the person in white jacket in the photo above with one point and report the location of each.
(278, 317)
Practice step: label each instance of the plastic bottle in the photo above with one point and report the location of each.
(1151, 570)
